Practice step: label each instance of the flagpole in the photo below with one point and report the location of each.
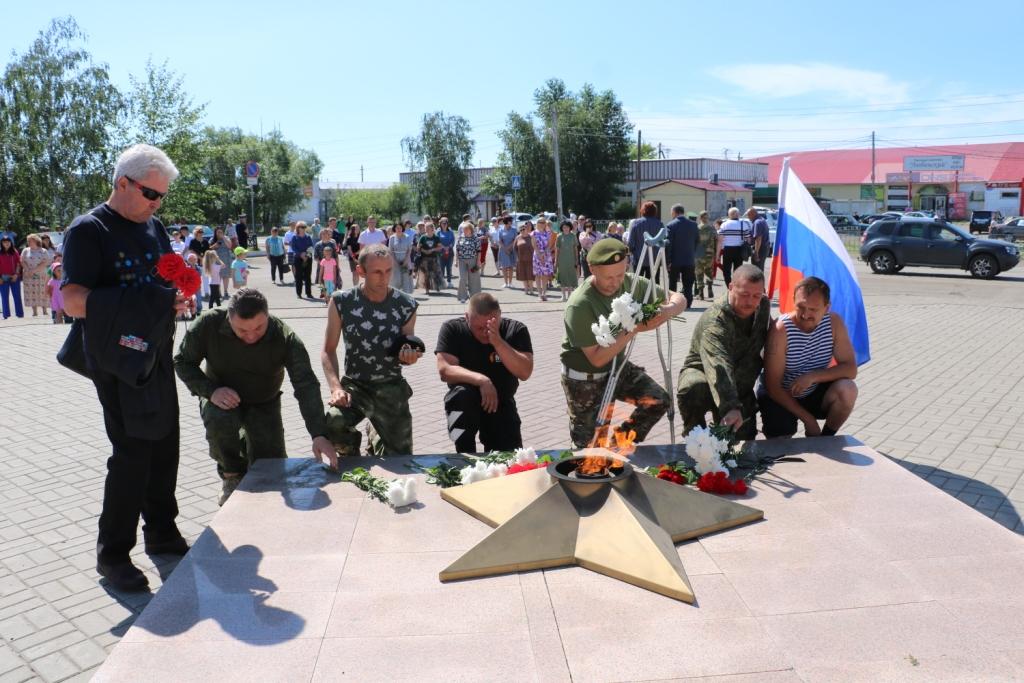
(776, 261)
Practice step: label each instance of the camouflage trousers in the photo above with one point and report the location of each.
(243, 434)
(386, 405)
(703, 278)
(693, 396)
(634, 386)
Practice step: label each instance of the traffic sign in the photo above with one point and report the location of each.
(252, 169)
(517, 182)
(508, 201)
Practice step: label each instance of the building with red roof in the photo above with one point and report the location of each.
(953, 178)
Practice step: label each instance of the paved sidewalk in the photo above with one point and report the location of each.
(943, 395)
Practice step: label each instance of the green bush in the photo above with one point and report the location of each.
(624, 210)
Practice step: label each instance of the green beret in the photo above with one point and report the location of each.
(606, 252)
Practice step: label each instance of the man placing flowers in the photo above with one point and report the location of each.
(725, 357)
(599, 324)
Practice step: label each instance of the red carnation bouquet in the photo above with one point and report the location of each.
(174, 270)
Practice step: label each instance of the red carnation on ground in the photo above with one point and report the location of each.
(719, 483)
(518, 467)
(170, 267)
(668, 474)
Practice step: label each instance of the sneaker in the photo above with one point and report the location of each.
(122, 575)
(228, 486)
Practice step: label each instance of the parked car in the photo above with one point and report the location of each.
(846, 223)
(981, 221)
(520, 217)
(1012, 230)
(919, 214)
(890, 245)
(207, 230)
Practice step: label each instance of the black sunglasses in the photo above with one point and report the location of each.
(147, 192)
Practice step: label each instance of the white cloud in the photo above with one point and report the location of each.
(793, 80)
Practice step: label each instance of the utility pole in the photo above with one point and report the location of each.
(725, 153)
(639, 143)
(558, 161)
(361, 179)
(874, 193)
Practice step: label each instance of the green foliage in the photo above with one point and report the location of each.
(389, 204)
(593, 136)
(363, 480)
(62, 125)
(442, 474)
(624, 210)
(647, 151)
(161, 113)
(57, 111)
(442, 152)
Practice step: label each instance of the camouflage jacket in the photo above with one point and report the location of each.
(727, 353)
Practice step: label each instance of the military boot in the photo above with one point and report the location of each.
(228, 485)
(711, 293)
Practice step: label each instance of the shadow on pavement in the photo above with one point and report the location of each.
(984, 498)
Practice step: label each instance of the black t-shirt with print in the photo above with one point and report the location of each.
(456, 339)
(104, 249)
(429, 242)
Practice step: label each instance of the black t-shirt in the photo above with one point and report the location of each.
(429, 242)
(104, 249)
(352, 244)
(456, 339)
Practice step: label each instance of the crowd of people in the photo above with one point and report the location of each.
(30, 277)
(234, 357)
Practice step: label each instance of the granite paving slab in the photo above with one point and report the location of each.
(860, 570)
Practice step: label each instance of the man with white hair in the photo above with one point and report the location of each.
(110, 278)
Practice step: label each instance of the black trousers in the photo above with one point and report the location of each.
(303, 270)
(758, 262)
(499, 431)
(688, 275)
(276, 267)
(141, 478)
(732, 258)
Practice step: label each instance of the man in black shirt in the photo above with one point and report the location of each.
(483, 357)
(242, 232)
(110, 258)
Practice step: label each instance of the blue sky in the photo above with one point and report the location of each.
(349, 80)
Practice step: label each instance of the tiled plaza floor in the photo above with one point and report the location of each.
(943, 395)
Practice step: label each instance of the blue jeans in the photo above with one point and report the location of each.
(447, 257)
(7, 288)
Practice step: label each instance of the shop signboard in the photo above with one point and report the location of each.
(956, 203)
(935, 162)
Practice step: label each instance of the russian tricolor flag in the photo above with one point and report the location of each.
(806, 244)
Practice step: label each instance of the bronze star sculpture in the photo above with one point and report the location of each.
(622, 524)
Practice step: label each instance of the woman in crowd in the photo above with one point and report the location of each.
(400, 244)
(507, 252)
(567, 258)
(543, 256)
(587, 239)
(34, 262)
(732, 237)
(429, 247)
(199, 244)
(482, 241)
(352, 251)
(53, 291)
(275, 254)
(48, 246)
(492, 239)
(467, 250)
(222, 245)
(10, 276)
(524, 257)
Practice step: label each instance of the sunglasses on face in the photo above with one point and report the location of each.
(147, 192)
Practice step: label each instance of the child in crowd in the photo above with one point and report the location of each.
(329, 273)
(193, 262)
(239, 268)
(53, 290)
(212, 266)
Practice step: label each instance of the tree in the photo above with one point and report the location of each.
(527, 155)
(389, 204)
(284, 170)
(442, 152)
(57, 112)
(647, 151)
(594, 143)
(162, 114)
